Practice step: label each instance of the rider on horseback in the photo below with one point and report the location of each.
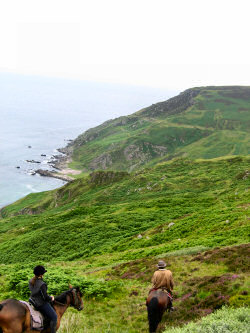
(163, 279)
(40, 299)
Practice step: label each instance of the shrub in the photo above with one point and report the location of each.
(18, 283)
(226, 320)
(239, 300)
(58, 281)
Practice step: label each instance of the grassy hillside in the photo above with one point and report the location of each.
(105, 233)
(106, 230)
(96, 245)
(115, 294)
(207, 202)
(203, 122)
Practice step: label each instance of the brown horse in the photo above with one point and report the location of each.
(157, 302)
(15, 316)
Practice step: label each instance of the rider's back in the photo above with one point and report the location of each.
(163, 278)
(36, 291)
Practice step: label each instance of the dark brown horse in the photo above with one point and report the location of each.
(157, 302)
(15, 316)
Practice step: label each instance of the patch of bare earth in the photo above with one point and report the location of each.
(68, 171)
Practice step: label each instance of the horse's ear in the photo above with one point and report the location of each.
(70, 286)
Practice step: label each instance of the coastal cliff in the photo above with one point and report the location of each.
(204, 122)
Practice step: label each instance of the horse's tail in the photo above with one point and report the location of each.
(154, 314)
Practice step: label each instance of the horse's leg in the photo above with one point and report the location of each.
(27, 322)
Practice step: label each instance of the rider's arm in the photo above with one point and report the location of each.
(171, 282)
(44, 294)
(154, 278)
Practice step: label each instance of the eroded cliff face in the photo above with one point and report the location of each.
(104, 178)
(133, 156)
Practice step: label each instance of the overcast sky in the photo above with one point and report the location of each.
(173, 44)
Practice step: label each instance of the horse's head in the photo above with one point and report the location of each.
(76, 298)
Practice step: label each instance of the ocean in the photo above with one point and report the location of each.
(39, 115)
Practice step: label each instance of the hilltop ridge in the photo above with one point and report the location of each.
(201, 122)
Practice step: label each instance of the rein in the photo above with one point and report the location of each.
(57, 302)
(73, 297)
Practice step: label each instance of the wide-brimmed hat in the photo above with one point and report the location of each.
(161, 264)
(39, 270)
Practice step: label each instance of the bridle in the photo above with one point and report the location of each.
(75, 301)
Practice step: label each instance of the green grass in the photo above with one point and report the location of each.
(106, 230)
(86, 233)
(206, 200)
(115, 293)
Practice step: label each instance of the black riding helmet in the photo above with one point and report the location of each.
(39, 270)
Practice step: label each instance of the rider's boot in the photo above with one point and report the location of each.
(53, 327)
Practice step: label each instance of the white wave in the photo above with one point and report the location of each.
(31, 188)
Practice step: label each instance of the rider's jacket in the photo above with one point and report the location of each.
(163, 278)
(39, 294)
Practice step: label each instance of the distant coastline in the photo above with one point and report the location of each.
(60, 170)
(39, 114)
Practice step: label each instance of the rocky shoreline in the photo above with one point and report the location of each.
(59, 165)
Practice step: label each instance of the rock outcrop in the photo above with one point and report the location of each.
(47, 173)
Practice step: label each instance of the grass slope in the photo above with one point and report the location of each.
(114, 295)
(206, 203)
(106, 231)
(203, 122)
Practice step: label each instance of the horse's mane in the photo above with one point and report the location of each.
(63, 297)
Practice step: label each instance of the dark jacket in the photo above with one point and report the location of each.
(39, 294)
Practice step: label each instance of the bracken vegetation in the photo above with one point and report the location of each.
(105, 231)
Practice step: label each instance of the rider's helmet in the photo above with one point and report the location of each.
(39, 270)
(161, 264)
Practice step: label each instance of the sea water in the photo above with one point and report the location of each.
(39, 115)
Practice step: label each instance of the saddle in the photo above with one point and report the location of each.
(38, 322)
(164, 290)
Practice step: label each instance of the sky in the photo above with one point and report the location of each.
(169, 44)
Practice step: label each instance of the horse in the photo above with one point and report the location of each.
(15, 316)
(157, 302)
